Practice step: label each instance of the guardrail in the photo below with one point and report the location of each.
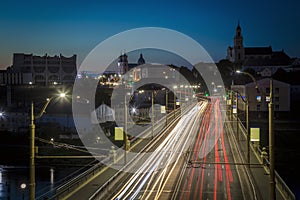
(95, 195)
(83, 177)
(76, 181)
(280, 184)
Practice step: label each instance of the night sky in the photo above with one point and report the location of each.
(76, 27)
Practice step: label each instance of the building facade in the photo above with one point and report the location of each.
(259, 98)
(8, 77)
(40, 70)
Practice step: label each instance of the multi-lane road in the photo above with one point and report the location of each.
(149, 181)
(210, 172)
(197, 159)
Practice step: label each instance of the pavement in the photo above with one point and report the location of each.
(259, 171)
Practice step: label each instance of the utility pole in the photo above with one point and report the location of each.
(247, 125)
(248, 132)
(32, 152)
(237, 117)
(272, 144)
(166, 107)
(125, 129)
(32, 144)
(174, 104)
(152, 112)
(231, 106)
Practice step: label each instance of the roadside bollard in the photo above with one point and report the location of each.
(113, 154)
(264, 155)
(127, 143)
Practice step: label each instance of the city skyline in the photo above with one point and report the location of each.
(76, 28)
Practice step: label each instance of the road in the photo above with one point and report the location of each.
(206, 176)
(199, 157)
(150, 179)
(209, 170)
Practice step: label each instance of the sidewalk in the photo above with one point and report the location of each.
(259, 172)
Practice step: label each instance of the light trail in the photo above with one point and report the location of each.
(171, 148)
(194, 124)
(198, 143)
(209, 141)
(228, 172)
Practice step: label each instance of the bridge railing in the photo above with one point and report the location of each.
(75, 182)
(280, 184)
(105, 186)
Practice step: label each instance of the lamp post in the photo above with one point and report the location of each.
(248, 134)
(237, 117)
(231, 103)
(152, 113)
(32, 152)
(125, 130)
(272, 194)
(166, 110)
(247, 125)
(250, 75)
(272, 144)
(174, 105)
(32, 144)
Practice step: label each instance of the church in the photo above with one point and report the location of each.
(254, 56)
(124, 66)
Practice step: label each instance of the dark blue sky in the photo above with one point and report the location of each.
(76, 27)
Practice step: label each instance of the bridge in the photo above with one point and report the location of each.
(198, 152)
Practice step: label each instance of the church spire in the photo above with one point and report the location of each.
(238, 26)
(239, 51)
(238, 30)
(141, 60)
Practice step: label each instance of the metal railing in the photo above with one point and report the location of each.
(106, 185)
(280, 184)
(75, 182)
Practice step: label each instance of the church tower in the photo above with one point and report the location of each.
(122, 64)
(141, 60)
(238, 48)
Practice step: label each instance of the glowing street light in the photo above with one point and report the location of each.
(271, 136)
(248, 74)
(133, 110)
(62, 95)
(32, 145)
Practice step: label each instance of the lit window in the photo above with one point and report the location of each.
(258, 98)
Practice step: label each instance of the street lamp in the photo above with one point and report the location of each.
(272, 144)
(271, 136)
(247, 125)
(63, 95)
(152, 113)
(250, 75)
(166, 105)
(237, 121)
(174, 104)
(32, 145)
